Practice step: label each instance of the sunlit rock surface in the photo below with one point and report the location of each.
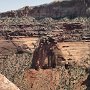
(5, 84)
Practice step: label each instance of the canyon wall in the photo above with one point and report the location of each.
(70, 9)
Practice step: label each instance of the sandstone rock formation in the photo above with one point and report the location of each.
(5, 84)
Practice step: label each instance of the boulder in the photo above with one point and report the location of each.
(5, 84)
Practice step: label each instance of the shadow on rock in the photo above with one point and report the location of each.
(87, 81)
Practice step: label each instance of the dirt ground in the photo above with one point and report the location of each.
(75, 51)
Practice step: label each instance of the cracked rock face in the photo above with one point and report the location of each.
(5, 84)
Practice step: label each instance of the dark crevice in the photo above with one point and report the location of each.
(87, 81)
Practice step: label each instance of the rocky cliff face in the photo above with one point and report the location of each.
(71, 9)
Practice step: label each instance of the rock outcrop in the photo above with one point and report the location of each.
(5, 84)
